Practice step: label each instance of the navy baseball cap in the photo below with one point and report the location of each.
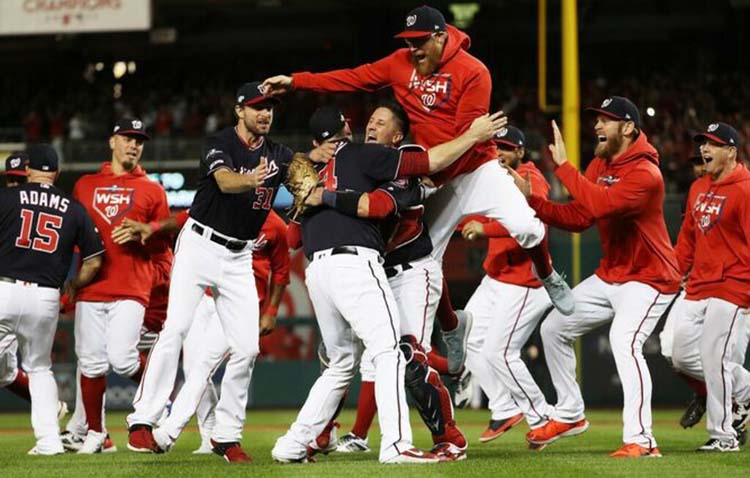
(619, 108)
(422, 21)
(326, 121)
(131, 127)
(720, 133)
(42, 157)
(510, 136)
(252, 93)
(15, 164)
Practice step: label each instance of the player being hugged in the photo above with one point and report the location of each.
(40, 225)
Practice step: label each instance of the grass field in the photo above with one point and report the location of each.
(585, 455)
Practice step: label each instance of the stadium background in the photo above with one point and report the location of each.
(682, 62)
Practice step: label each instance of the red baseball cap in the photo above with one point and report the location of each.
(15, 164)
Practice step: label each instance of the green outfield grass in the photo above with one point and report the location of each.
(585, 455)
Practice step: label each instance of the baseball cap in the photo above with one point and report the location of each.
(720, 133)
(326, 121)
(510, 136)
(422, 21)
(42, 157)
(15, 164)
(252, 93)
(131, 127)
(619, 108)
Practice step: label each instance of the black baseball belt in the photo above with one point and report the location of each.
(233, 245)
(336, 251)
(395, 270)
(10, 280)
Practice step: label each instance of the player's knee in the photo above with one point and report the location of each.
(552, 328)
(7, 376)
(124, 363)
(93, 368)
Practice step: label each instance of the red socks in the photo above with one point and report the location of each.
(92, 394)
(438, 362)
(445, 313)
(20, 386)
(539, 255)
(695, 385)
(366, 409)
(142, 358)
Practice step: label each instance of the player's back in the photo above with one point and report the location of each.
(39, 227)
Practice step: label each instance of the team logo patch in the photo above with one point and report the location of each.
(606, 102)
(137, 124)
(411, 20)
(502, 133)
(433, 91)
(707, 210)
(113, 202)
(713, 127)
(15, 162)
(607, 180)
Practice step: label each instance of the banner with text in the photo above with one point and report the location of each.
(34, 17)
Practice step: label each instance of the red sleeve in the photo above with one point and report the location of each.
(369, 77)
(294, 235)
(685, 248)
(159, 212)
(181, 218)
(474, 100)
(627, 196)
(413, 163)
(570, 217)
(279, 250)
(162, 262)
(495, 229)
(381, 204)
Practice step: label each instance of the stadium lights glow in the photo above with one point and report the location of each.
(119, 69)
(650, 111)
(131, 67)
(99, 66)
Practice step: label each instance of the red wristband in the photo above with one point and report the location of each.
(271, 310)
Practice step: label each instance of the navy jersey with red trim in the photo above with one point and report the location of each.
(238, 215)
(39, 227)
(354, 167)
(406, 233)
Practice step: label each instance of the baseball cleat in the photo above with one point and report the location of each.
(71, 441)
(231, 451)
(534, 447)
(464, 391)
(204, 449)
(633, 450)
(455, 342)
(326, 442)
(35, 452)
(694, 412)
(559, 292)
(413, 456)
(62, 410)
(449, 452)
(351, 443)
(93, 443)
(141, 440)
(498, 427)
(554, 430)
(162, 439)
(720, 446)
(740, 419)
(109, 445)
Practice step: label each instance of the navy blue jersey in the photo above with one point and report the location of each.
(238, 215)
(39, 227)
(405, 233)
(355, 167)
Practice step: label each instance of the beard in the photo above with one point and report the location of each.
(608, 149)
(128, 164)
(429, 64)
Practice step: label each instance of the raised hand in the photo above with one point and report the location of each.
(523, 184)
(323, 153)
(484, 127)
(559, 155)
(257, 176)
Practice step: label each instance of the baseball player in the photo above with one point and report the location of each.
(205, 346)
(39, 227)
(110, 311)
(348, 286)
(241, 169)
(443, 89)
(415, 279)
(712, 249)
(622, 192)
(506, 308)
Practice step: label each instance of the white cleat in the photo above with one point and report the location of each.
(204, 449)
(456, 340)
(93, 443)
(714, 445)
(163, 439)
(351, 443)
(413, 456)
(71, 441)
(35, 452)
(464, 392)
(559, 292)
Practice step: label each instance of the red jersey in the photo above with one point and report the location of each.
(506, 261)
(440, 106)
(271, 255)
(624, 198)
(127, 272)
(714, 240)
(156, 312)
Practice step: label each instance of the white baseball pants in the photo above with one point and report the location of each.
(200, 263)
(31, 312)
(634, 309)
(505, 316)
(8, 360)
(710, 341)
(488, 191)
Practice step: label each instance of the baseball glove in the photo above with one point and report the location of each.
(301, 179)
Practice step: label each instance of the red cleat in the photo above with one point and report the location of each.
(633, 450)
(231, 451)
(141, 440)
(554, 430)
(498, 427)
